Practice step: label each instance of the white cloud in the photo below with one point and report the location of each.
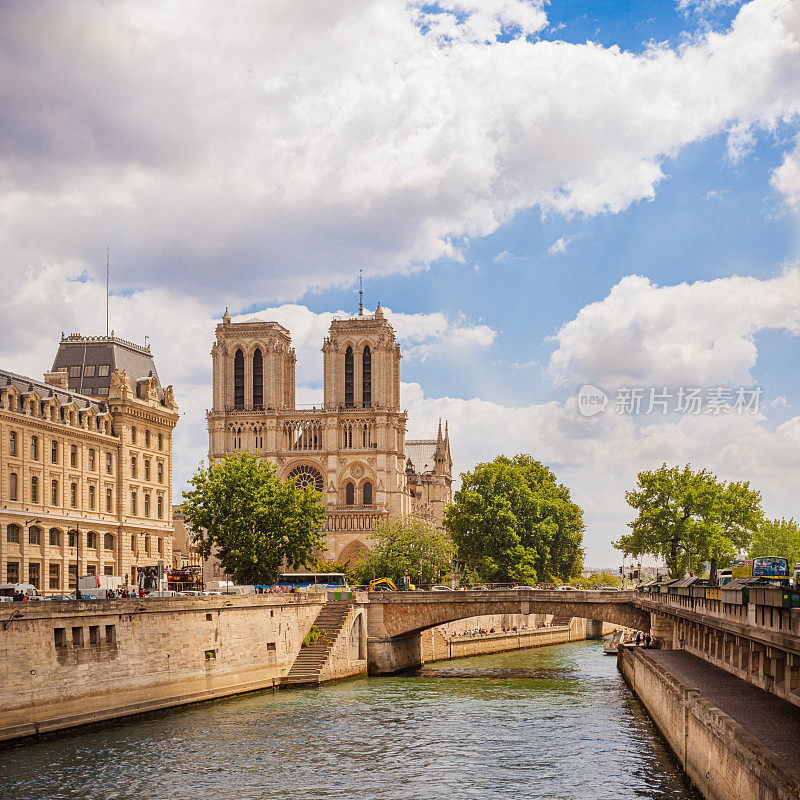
(271, 147)
(786, 178)
(698, 334)
(780, 402)
(559, 245)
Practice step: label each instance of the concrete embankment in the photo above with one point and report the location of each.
(449, 641)
(733, 740)
(73, 663)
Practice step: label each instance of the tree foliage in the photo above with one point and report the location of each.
(512, 522)
(406, 544)
(598, 579)
(777, 537)
(689, 518)
(240, 510)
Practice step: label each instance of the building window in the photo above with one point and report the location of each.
(133, 467)
(134, 504)
(55, 578)
(75, 372)
(147, 505)
(91, 498)
(108, 569)
(54, 452)
(12, 486)
(34, 574)
(160, 472)
(12, 443)
(366, 375)
(55, 537)
(72, 539)
(258, 380)
(147, 469)
(103, 370)
(91, 569)
(350, 494)
(34, 535)
(238, 380)
(133, 434)
(73, 495)
(73, 575)
(160, 546)
(109, 464)
(88, 371)
(91, 540)
(12, 571)
(91, 459)
(147, 437)
(348, 377)
(103, 390)
(109, 500)
(160, 441)
(73, 455)
(54, 499)
(34, 489)
(160, 504)
(147, 545)
(12, 535)
(367, 494)
(35, 448)
(108, 542)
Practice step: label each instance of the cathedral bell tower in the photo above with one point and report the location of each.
(362, 364)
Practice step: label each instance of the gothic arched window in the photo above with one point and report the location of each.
(348, 377)
(258, 380)
(366, 374)
(350, 494)
(238, 380)
(305, 475)
(367, 493)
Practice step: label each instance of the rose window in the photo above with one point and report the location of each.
(307, 476)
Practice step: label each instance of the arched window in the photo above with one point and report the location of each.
(366, 374)
(350, 494)
(238, 380)
(348, 377)
(55, 537)
(108, 542)
(12, 534)
(258, 380)
(367, 493)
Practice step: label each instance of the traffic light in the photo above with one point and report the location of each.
(621, 571)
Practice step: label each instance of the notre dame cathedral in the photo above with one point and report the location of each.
(353, 448)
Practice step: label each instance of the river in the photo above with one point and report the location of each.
(555, 722)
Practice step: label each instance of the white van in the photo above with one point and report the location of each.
(10, 589)
(96, 587)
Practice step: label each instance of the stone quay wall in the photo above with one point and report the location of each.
(70, 663)
(444, 642)
(721, 759)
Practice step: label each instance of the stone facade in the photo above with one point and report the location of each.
(85, 481)
(352, 448)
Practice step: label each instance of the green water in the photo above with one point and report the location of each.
(554, 722)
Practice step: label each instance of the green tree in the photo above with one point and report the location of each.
(689, 518)
(598, 579)
(252, 520)
(406, 544)
(777, 537)
(513, 522)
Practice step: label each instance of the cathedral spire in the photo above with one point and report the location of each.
(361, 293)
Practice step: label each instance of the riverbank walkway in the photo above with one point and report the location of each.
(770, 719)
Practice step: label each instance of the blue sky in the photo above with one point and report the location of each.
(543, 196)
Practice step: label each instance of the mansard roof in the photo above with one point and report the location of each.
(103, 351)
(421, 452)
(45, 391)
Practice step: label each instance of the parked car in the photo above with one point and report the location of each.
(438, 588)
(523, 587)
(480, 589)
(566, 588)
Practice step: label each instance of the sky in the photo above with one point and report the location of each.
(581, 218)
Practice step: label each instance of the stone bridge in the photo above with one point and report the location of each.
(396, 619)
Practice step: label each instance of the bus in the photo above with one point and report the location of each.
(762, 567)
(307, 582)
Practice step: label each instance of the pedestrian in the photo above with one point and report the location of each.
(638, 637)
(647, 641)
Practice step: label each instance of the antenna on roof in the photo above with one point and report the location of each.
(108, 267)
(361, 293)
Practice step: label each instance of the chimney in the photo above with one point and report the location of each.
(58, 378)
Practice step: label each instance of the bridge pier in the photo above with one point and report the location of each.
(389, 654)
(594, 629)
(662, 631)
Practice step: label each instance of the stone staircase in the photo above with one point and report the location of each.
(310, 661)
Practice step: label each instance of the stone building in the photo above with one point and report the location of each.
(352, 448)
(85, 478)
